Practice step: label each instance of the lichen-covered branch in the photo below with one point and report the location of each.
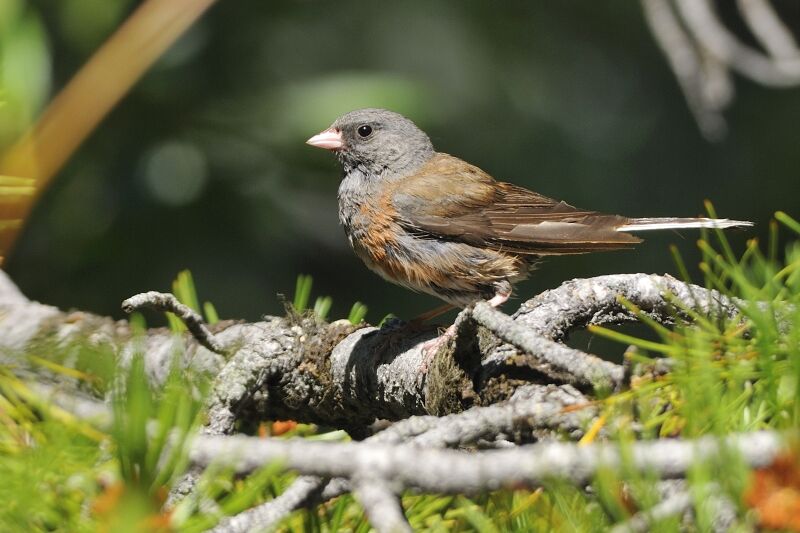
(167, 302)
(346, 376)
(582, 368)
(537, 410)
(381, 504)
(578, 303)
(674, 505)
(449, 471)
(263, 517)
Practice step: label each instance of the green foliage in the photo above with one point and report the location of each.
(185, 291)
(728, 374)
(24, 68)
(151, 428)
(357, 313)
(231, 496)
(302, 292)
(45, 485)
(322, 305)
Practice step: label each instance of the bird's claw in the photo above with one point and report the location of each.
(431, 347)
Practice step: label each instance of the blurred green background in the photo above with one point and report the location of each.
(203, 165)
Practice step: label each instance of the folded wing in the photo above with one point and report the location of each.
(450, 199)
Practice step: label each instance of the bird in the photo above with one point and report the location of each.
(436, 224)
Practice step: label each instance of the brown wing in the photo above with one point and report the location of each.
(451, 199)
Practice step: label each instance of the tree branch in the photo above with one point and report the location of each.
(581, 367)
(674, 505)
(701, 52)
(381, 504)
(690, 70)
(168, 303)
(267, 515)
(448, 471)
(301, 368)
(538, 409)
(765, 24)
(712, 35)
(345, 376)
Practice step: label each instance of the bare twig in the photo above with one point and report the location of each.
(586, 369)
(451, 471)
(701, 51)
(674, 505)
(536, 408)
(765, 24)
(579, 303)
(381, 504)
(714, 37)
(267, 515)
(688, 67)
(161, 301)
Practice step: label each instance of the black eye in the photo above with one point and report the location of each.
(364, 131)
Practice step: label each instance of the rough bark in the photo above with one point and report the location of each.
(337, 374)
(452, 471)
(502, 381)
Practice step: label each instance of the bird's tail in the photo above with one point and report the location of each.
(647, 224)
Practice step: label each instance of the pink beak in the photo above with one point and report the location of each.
(330, 139)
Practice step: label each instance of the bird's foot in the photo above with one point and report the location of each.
(431, 348)
(499, 299)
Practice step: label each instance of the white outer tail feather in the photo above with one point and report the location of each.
(647, 224)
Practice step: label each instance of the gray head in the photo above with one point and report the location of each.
(376, 141)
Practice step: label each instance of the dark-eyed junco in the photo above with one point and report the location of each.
(434, 223)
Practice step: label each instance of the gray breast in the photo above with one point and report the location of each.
(354, 191)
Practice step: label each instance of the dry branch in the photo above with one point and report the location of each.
(450, 471)
(346, 376)
(536, 409)
(169, 303)
(675, 505)
(381, 504)
(305, 489)
(702, 52)
(581, 367)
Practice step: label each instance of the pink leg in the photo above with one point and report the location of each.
(434, 344)
(499, 299)
(429, 348)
